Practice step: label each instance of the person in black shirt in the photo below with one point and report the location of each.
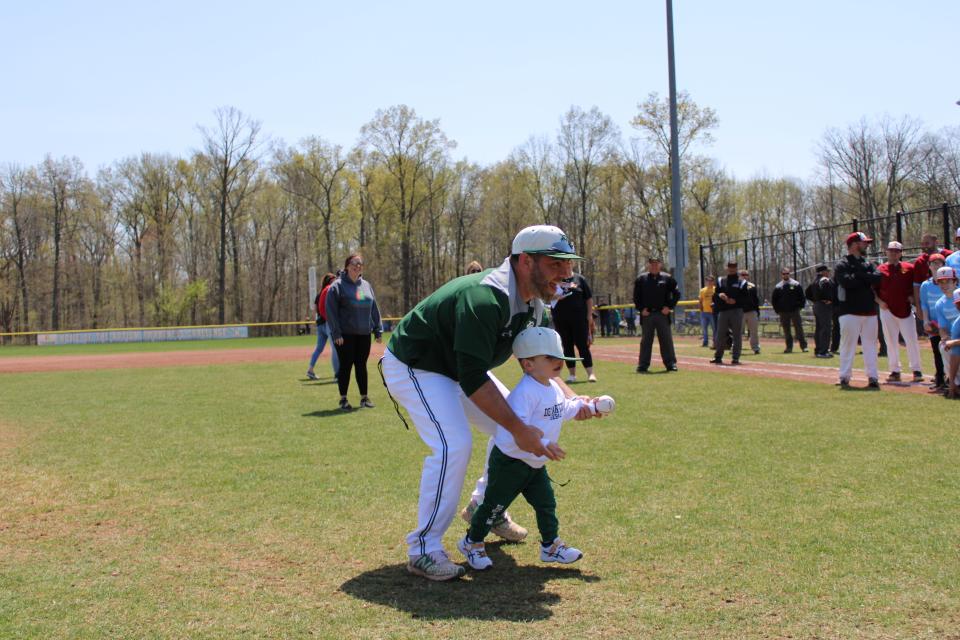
(655, 295)
(751, 310)
(823, 292)
(856, 278)
(573, 320)
(728, 303)
(787, 301)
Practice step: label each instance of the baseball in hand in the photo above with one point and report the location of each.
(604, 404)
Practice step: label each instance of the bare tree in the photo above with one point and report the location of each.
(25, 227)
(232, 147)
(317, 173)
(408, 147)
(59, 179)
(587, 140)
(543, 175)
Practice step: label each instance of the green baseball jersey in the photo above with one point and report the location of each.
(477, 315)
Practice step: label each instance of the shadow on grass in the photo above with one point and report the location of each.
(508, 591)
(327, 413)
(307, 382)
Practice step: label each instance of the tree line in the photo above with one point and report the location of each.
(228, 232)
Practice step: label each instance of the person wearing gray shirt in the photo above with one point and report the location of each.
(352, 315)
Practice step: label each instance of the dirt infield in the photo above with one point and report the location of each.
(626, 353)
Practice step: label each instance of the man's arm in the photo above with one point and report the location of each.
(489, 399)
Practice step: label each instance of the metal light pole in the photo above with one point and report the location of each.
(679, 245)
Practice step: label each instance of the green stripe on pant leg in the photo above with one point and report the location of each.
(539, 494)
(506, 478)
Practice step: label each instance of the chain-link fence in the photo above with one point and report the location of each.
(802, 250)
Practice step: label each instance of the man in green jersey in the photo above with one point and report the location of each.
(437, 365)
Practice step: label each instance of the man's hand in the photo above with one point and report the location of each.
(338, 342)
(927, 328)
(558, 453)
(644, 313)
(883, 305)
(379, 339)
(529, 440)
(665, 311)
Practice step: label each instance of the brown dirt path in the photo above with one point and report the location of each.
(626, 353)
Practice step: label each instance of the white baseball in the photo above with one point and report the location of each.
(604, 404)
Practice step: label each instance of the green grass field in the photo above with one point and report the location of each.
(235, 502)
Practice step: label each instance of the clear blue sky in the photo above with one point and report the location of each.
(105, 80)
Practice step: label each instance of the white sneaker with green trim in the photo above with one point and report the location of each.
(504, 526)
(435, 566)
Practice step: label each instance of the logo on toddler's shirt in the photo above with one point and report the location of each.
(553, 413)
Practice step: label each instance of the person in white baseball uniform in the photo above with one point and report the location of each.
(437, 365)
(538, 401)
(895, 296)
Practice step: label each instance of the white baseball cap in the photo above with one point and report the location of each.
(895, 245)
(946, 273)
(956, 295)
(545, 240)
(539, 341)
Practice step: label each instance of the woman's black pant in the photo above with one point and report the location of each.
(353, 354)
(574, 334)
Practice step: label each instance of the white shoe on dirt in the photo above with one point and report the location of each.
(435, 566)
(571, 378)
(591, 378)
(503, 527)
(475, 553)
(559, 552)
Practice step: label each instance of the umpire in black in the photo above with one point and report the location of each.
(655, 295)
(728, 301)
(823, 294)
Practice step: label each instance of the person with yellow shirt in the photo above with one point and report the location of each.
(707, 318)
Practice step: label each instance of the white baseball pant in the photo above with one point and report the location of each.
(893, 328)
(851, 328)
(945, 354)
(442, 414)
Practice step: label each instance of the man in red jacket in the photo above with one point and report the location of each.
(895, 295)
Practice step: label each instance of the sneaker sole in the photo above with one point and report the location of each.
(423, 574)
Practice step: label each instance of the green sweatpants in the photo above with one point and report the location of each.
(506, 479)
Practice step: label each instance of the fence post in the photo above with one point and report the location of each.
(746, 256)
(794, 253)
(701, 266)
(899, 218)
(855, 224)
(946, 225)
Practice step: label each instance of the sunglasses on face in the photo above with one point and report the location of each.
(356, 264)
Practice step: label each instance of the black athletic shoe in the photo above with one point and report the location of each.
(734, 362)
(844, 383)
(918, 376)
(671, 367)
(641, 369)
(345, 405)
(873, 384)
(716, 361)
(788, 350)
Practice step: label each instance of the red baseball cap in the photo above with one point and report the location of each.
(858, 236)
(937, 256)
